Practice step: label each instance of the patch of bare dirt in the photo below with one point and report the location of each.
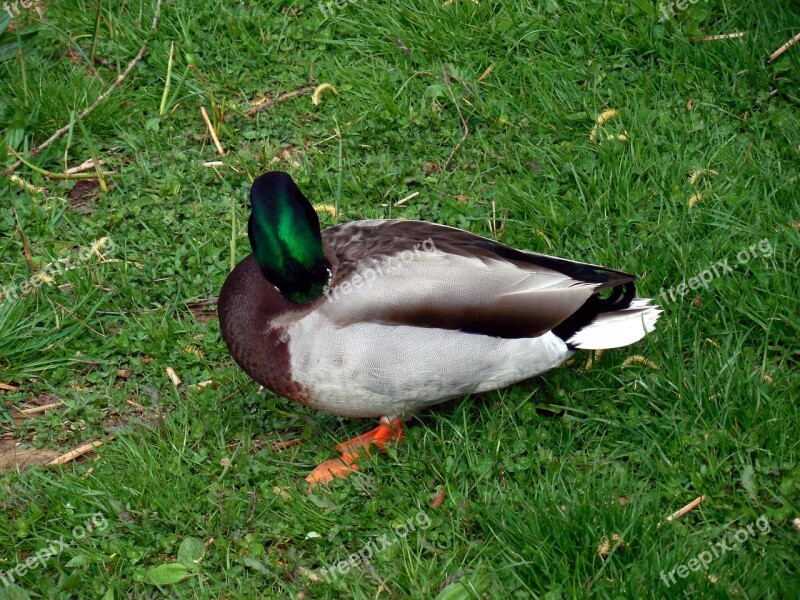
(14, 456)
(83, 194)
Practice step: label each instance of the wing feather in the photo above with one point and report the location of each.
(427, 275)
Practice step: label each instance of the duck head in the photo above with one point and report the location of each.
(285, 238)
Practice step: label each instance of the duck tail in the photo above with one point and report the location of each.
(613, 322)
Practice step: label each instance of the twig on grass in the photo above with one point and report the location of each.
(688, 508)
(25, 250)
(85, 166)
(774, 56)
(282, 98)
(406, 199)
(211, 131)
(99, 100)
(77, 452)
(50, 174)
(714, 38)
(28, 412)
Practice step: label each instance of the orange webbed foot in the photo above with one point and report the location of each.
(352, 450)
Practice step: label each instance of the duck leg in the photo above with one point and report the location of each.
(358, 447)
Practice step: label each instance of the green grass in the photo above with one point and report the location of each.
(532, 476)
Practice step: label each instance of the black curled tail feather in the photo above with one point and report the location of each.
(620, 298)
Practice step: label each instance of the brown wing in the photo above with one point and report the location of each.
(427, 275)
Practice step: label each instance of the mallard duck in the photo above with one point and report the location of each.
(385, 318)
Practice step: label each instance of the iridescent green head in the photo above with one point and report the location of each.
(285, 238)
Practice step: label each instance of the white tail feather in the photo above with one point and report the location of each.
(618, 328)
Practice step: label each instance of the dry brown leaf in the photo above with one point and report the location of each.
(485, 74)
(173, 377)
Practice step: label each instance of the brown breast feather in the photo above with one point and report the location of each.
(247, 305)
